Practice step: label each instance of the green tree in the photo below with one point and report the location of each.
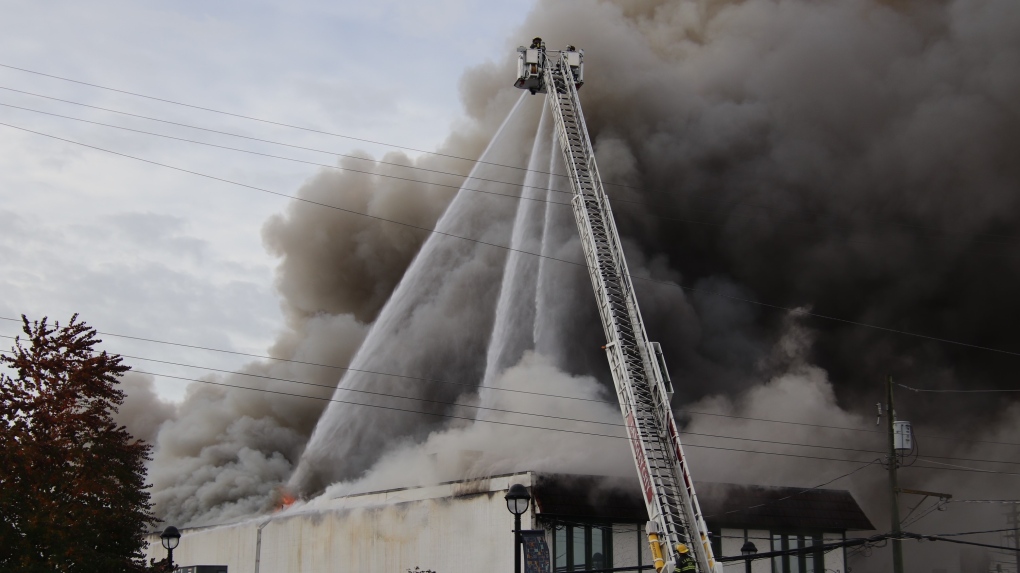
(72, 482)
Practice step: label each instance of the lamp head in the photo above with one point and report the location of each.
(170, 537)
(748, 548)
(517, 499)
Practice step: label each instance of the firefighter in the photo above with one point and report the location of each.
(684, 562)
(536, 44)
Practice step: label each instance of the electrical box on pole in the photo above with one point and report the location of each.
(676, 530)
(903, 439)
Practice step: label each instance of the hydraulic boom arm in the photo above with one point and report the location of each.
(639, 371)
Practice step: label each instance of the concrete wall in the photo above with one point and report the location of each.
(834, 559)
(630, 545)
(449, 528)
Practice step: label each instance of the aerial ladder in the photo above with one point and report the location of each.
(642, 382)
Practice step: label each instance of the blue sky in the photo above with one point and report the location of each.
(146, 251)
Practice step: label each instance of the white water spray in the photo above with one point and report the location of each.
(428, 331)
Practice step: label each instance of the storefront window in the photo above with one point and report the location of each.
(578, 547)
(802, 562)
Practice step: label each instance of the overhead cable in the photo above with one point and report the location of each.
(467, 385)
(454, 403)
(998, 501)
(281, 124)
(390, 163)
(795, 311)
(989, 391)
(616, 200)
(964, 468)
(837, 478)
(325, 165)
(209, 382)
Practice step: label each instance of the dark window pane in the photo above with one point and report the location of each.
(560, 546)
(795, 560)
(578, 551)
(598, 555)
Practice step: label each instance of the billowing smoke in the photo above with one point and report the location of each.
(143, 413)
(853, 159)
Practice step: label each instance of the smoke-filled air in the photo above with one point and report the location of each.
(788, 172)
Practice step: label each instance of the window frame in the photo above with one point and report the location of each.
(567, 530)
(785, 563)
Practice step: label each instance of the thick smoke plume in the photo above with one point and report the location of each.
(854, 159)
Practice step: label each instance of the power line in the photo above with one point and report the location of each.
(960, 541)
(616, 200)
(326, 165)
(477, 387)
(998, 501)
(474, 386)
(796, 311)
(265, 357)
(955, 391)
(971, 532)
(863, 541)
(926, 436)
(454, 416)
(277, 392)
(281, 124)
(928, 511)
(769, 207)
(458, 404)
(962, 468)
(379, 161)
(848, 474)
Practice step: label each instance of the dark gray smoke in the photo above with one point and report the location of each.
(857, 159)
(854, 158)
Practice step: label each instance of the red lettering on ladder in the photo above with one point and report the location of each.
(639, 455)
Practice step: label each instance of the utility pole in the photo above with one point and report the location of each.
(1014, 520)
(897, 546)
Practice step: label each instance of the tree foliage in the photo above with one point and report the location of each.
(72, 482)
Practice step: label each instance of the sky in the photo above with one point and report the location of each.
(146, 251)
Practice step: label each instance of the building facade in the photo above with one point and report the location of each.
(590, 522)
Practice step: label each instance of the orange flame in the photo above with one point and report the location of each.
(284, 498)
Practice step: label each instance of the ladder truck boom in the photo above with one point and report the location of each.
(642, 383)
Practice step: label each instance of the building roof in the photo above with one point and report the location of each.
(724, 505)
(767, 507)
(585, 496)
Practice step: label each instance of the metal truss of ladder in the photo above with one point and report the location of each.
(666, 483)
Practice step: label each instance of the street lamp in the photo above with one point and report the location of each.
(517, 499)
(747, 550)
(170, 538)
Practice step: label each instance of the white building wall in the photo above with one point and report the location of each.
(453, 528)
(834, 559)
(628, 541)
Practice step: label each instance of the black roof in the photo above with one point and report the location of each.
(723, 505)
(767, 507)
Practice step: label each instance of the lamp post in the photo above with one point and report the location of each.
(747, 550)
(517, 499)
(170, 538)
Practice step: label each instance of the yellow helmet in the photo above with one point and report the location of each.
(681, 548)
